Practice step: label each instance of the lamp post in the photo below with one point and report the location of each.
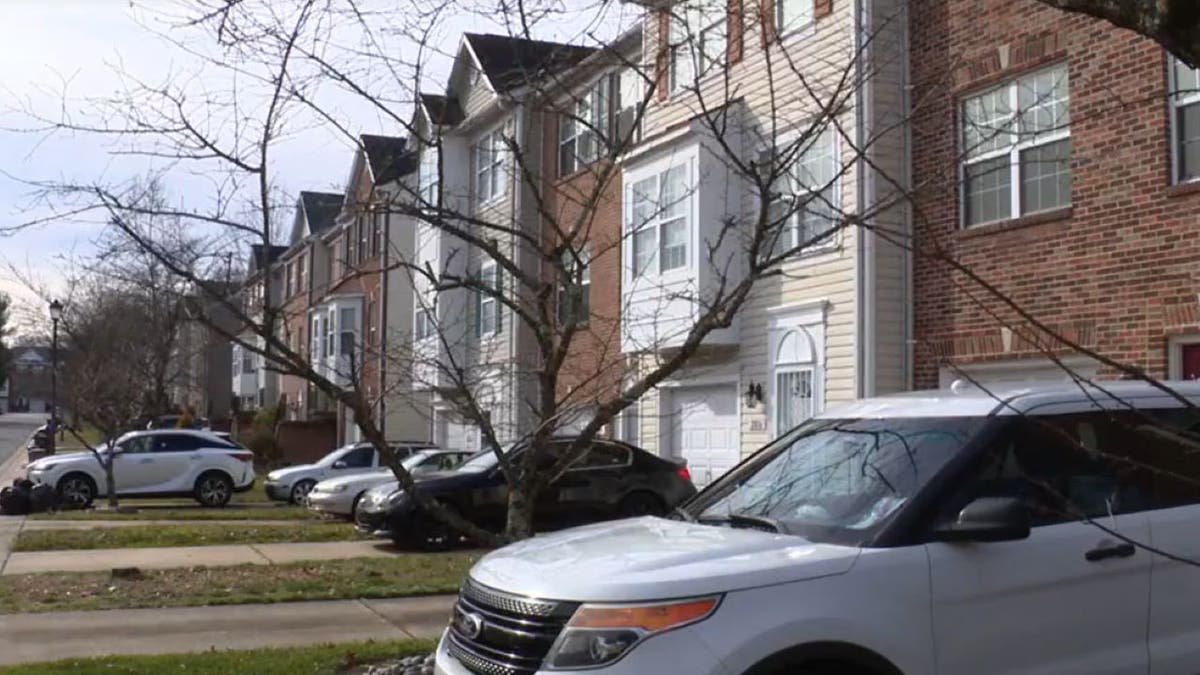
(55, 314)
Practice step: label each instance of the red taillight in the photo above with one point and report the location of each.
(684, 473)
(242, 456)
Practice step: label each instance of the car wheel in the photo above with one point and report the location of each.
(431, 534)
(77, 489)
(641, 504)
(354, 504)
(214, 489)
(300, 492)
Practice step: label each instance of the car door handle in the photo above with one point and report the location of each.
(1108, 550)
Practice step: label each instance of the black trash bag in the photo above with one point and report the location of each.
(42, 498)
(14, 501)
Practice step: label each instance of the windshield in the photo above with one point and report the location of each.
(328, 460)
(480, 461)
(836, 481)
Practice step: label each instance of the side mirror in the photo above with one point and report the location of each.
(987, 519)
(340, 464)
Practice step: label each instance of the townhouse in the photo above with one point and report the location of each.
(202, 355)
(254, 385)
(1057, 158)
(736, 84)
(314, 216)
(466, 340)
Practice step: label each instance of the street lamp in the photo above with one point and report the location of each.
(55, 315)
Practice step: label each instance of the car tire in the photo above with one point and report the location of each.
(428, 533)
(637, 504)
(213, 489)
(300, 491)
(77, 490)
(354, 504)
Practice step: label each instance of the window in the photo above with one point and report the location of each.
(489, 167)
(793, 397)
(792, 14)
(698, 43)
(1185, 121)
(659, 216)
(359, 458)
(583, 131)
(347, 250)
(487, 307)
(327, 324)
(1017, 148)
(302, 273)
(429, 176)
(363, 226)
(247, 361)
(137, 444)
(347, 331)
(805, 208)
(602, 456)
(422, 324)
(574, 293)
(629, 100)
(289, 280)
(314, 337)
(377, 230)
(176, 443)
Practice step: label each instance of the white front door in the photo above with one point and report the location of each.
(704, 429)
(1071, 599)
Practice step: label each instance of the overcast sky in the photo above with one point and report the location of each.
(46, 43)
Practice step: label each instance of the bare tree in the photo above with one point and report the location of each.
(1175, 24)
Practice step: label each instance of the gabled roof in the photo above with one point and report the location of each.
(261, 256)
(509, 62)
(388, 157)
(442, 110)
(320, 209)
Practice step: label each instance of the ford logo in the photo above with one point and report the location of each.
(469, 624)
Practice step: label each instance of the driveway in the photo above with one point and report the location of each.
(15, 429)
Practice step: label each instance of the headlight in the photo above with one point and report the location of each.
(335, 488)
(272, 476)
(600, 634)
(42, 467)
(396, 498)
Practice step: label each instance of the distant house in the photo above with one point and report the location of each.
(4, 397)
(29, 379)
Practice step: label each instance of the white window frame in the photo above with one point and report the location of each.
(593, 105)
(1175, 347)
(428, 180)
(1176, 102)
(629, 96)
(1020, 142)
(804, 16)
(797, 191)
(486, 305)
(808, 321)
(490, 159)
(658, 223)
(423, 322)
(689, 33)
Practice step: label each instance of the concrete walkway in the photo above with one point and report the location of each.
(51, 636)
(40, 524)
(100, 560)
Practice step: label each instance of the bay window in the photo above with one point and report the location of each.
(489, 167)
(659, 219)
(1017, 148)
(1185, 121)
(428, 176)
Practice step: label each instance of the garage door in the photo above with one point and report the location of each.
(704, 430)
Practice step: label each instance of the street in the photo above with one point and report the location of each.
(15, 428)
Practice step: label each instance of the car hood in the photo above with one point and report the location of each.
(67, 458)
(294, 472)
(650, 557)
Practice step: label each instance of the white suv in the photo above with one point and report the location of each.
(159, 463)
(1017, 531)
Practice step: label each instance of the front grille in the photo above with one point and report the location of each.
(498, 633)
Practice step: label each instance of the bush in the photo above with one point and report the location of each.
(263, 438)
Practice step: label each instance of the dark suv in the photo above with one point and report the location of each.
(612, 480)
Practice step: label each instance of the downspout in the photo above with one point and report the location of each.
(382, 334)
(515, 197)
(864, 249)
(908, 297)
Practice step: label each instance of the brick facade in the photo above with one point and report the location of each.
(1116, 271)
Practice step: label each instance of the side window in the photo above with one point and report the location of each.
(137, 444)
(602, 456)
(359, 458)
(175, 443)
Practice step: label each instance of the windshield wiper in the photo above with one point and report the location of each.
(748, 521)
(683, 514)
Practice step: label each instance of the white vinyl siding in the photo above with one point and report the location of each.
(1017, 148)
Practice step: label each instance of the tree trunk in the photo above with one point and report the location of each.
(519, 522)
(111, 483)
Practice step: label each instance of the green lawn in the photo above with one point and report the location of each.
(405, 574)
(318, 660)
(204, 534)
(183, 511)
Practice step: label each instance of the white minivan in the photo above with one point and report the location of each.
(1043, 530)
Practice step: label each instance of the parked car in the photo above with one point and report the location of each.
(1014, 531)
(340, 496)
(292, 484)
(611, 480)
(172, 422)
(160, 463)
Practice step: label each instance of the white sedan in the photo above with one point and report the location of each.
(293, 483)
(158, 463)
(340, 496)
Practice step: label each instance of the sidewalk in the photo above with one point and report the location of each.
(10, 526)
(99, 560)
(59, 635)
